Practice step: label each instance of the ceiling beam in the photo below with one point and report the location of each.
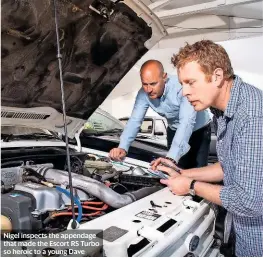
(213, 23)
(165, 14)
(179, 39)
(159, 4)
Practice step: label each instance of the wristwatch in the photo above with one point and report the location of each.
(192, 188)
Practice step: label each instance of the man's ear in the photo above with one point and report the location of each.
(218, 77)
(165, 76)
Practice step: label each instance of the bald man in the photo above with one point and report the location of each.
(188, 131)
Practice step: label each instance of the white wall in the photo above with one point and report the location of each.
(252, 78)
(246, 56)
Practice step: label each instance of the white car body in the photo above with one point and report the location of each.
(193, 221)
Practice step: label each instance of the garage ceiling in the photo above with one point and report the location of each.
(193, 20)
(218, 20)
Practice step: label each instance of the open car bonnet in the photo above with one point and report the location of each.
(100, 42)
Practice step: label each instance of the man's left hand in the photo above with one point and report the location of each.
(159, 161)
(179, 185)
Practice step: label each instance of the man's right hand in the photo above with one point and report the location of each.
(117, 154)
(165, 165)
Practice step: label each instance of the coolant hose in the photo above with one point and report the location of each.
(76, 200)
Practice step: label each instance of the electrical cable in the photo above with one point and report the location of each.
(104, 207)
(59, 57)
(93, 203)
(69, 213)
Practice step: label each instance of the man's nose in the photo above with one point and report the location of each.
(148, 89)
(186, 90)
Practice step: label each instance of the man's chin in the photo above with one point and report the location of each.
(198, 107)
(152, 97)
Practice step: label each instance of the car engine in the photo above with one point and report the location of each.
(36, 196)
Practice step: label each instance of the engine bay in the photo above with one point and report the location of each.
(35, 187)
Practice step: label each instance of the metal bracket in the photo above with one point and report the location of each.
(103, 8)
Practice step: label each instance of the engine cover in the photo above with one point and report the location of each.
(46, 198)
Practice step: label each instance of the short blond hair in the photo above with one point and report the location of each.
(209, 56)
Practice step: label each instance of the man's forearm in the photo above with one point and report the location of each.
(180, 146)
(209, 192)
(212, 173)
(126, 139)
(187, 119)
(132, 127)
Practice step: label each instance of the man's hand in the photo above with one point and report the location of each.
(179, 185)
(159, 161)
(117, 154)
(167, 166)
(170, 171)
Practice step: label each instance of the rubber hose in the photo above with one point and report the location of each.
(67, 193)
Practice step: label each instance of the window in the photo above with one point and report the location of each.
(100, 122)
(147, 126)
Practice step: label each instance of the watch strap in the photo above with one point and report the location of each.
(192, 185)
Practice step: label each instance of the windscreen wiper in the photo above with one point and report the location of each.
(98, 133)
(114, 130)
